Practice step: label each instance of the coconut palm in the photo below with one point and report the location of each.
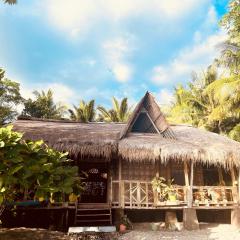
(119, 113)
(43, 106)
(192, 105)
(85, 112)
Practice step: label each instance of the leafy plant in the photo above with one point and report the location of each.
(9, 98)
(159, 185)
(126, 221)
(32, 170)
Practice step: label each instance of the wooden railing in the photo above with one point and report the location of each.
(139, 195)
(210, 196)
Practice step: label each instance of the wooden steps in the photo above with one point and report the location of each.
(93, 214)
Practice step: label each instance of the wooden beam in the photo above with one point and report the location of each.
(220, 176)
(109, 182)
(235, 189)
(186, 174)
(190, 192)
(121, 187)
(233, 176)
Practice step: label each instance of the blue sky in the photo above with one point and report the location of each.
(86, 49)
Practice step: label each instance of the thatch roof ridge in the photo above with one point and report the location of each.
(149, 104)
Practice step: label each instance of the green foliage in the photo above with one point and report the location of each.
(231, 48)
(85, 112)
(119, 113)
(9, 98)
(214, 103)
(43, 106)
(32, 168)
(126, 221)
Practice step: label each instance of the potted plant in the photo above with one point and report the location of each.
(159, 190)
(125, 224)
(171, 192)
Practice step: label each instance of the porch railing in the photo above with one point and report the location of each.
(135, 194)
(215, 196)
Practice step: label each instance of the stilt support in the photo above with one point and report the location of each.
(190, 220)
(235, 217)
(171, 221)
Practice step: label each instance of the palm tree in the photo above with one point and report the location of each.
(43, 106)
(119, 113)
(196, 106)
(85, 112)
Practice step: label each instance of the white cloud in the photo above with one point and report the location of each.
(77, 17)
(195, 58)
(165, 97)
(122, 72)
(116, 53)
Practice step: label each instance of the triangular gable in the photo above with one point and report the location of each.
(148, 118)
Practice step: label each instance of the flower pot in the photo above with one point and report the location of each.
(122, 228)
(172, 198)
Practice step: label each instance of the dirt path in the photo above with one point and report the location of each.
(214, 232)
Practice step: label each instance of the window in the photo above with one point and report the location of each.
(143, 124)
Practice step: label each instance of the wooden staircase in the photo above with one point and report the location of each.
(93, 214)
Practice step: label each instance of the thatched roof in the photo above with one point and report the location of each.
(79, 139)
(190, 144)
(103, 140)
(157, 140)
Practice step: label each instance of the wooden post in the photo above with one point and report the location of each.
(138, 194)
(109, 183)
(234, 190)
(186, 174)
(220, 176)
(190, 194)
(157, 168)
(186, 189)
(121, 186)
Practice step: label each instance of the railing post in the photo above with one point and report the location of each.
(146, 194)
(122, 194)
(138, 194)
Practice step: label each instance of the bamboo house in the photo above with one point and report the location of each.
(146, 164)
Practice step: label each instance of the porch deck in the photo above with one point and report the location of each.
(139, 195)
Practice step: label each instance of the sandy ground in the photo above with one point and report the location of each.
(206, 232)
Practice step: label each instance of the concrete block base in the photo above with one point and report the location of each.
(235, 217)
(190, 220)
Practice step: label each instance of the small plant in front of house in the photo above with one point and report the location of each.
(125, 224)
